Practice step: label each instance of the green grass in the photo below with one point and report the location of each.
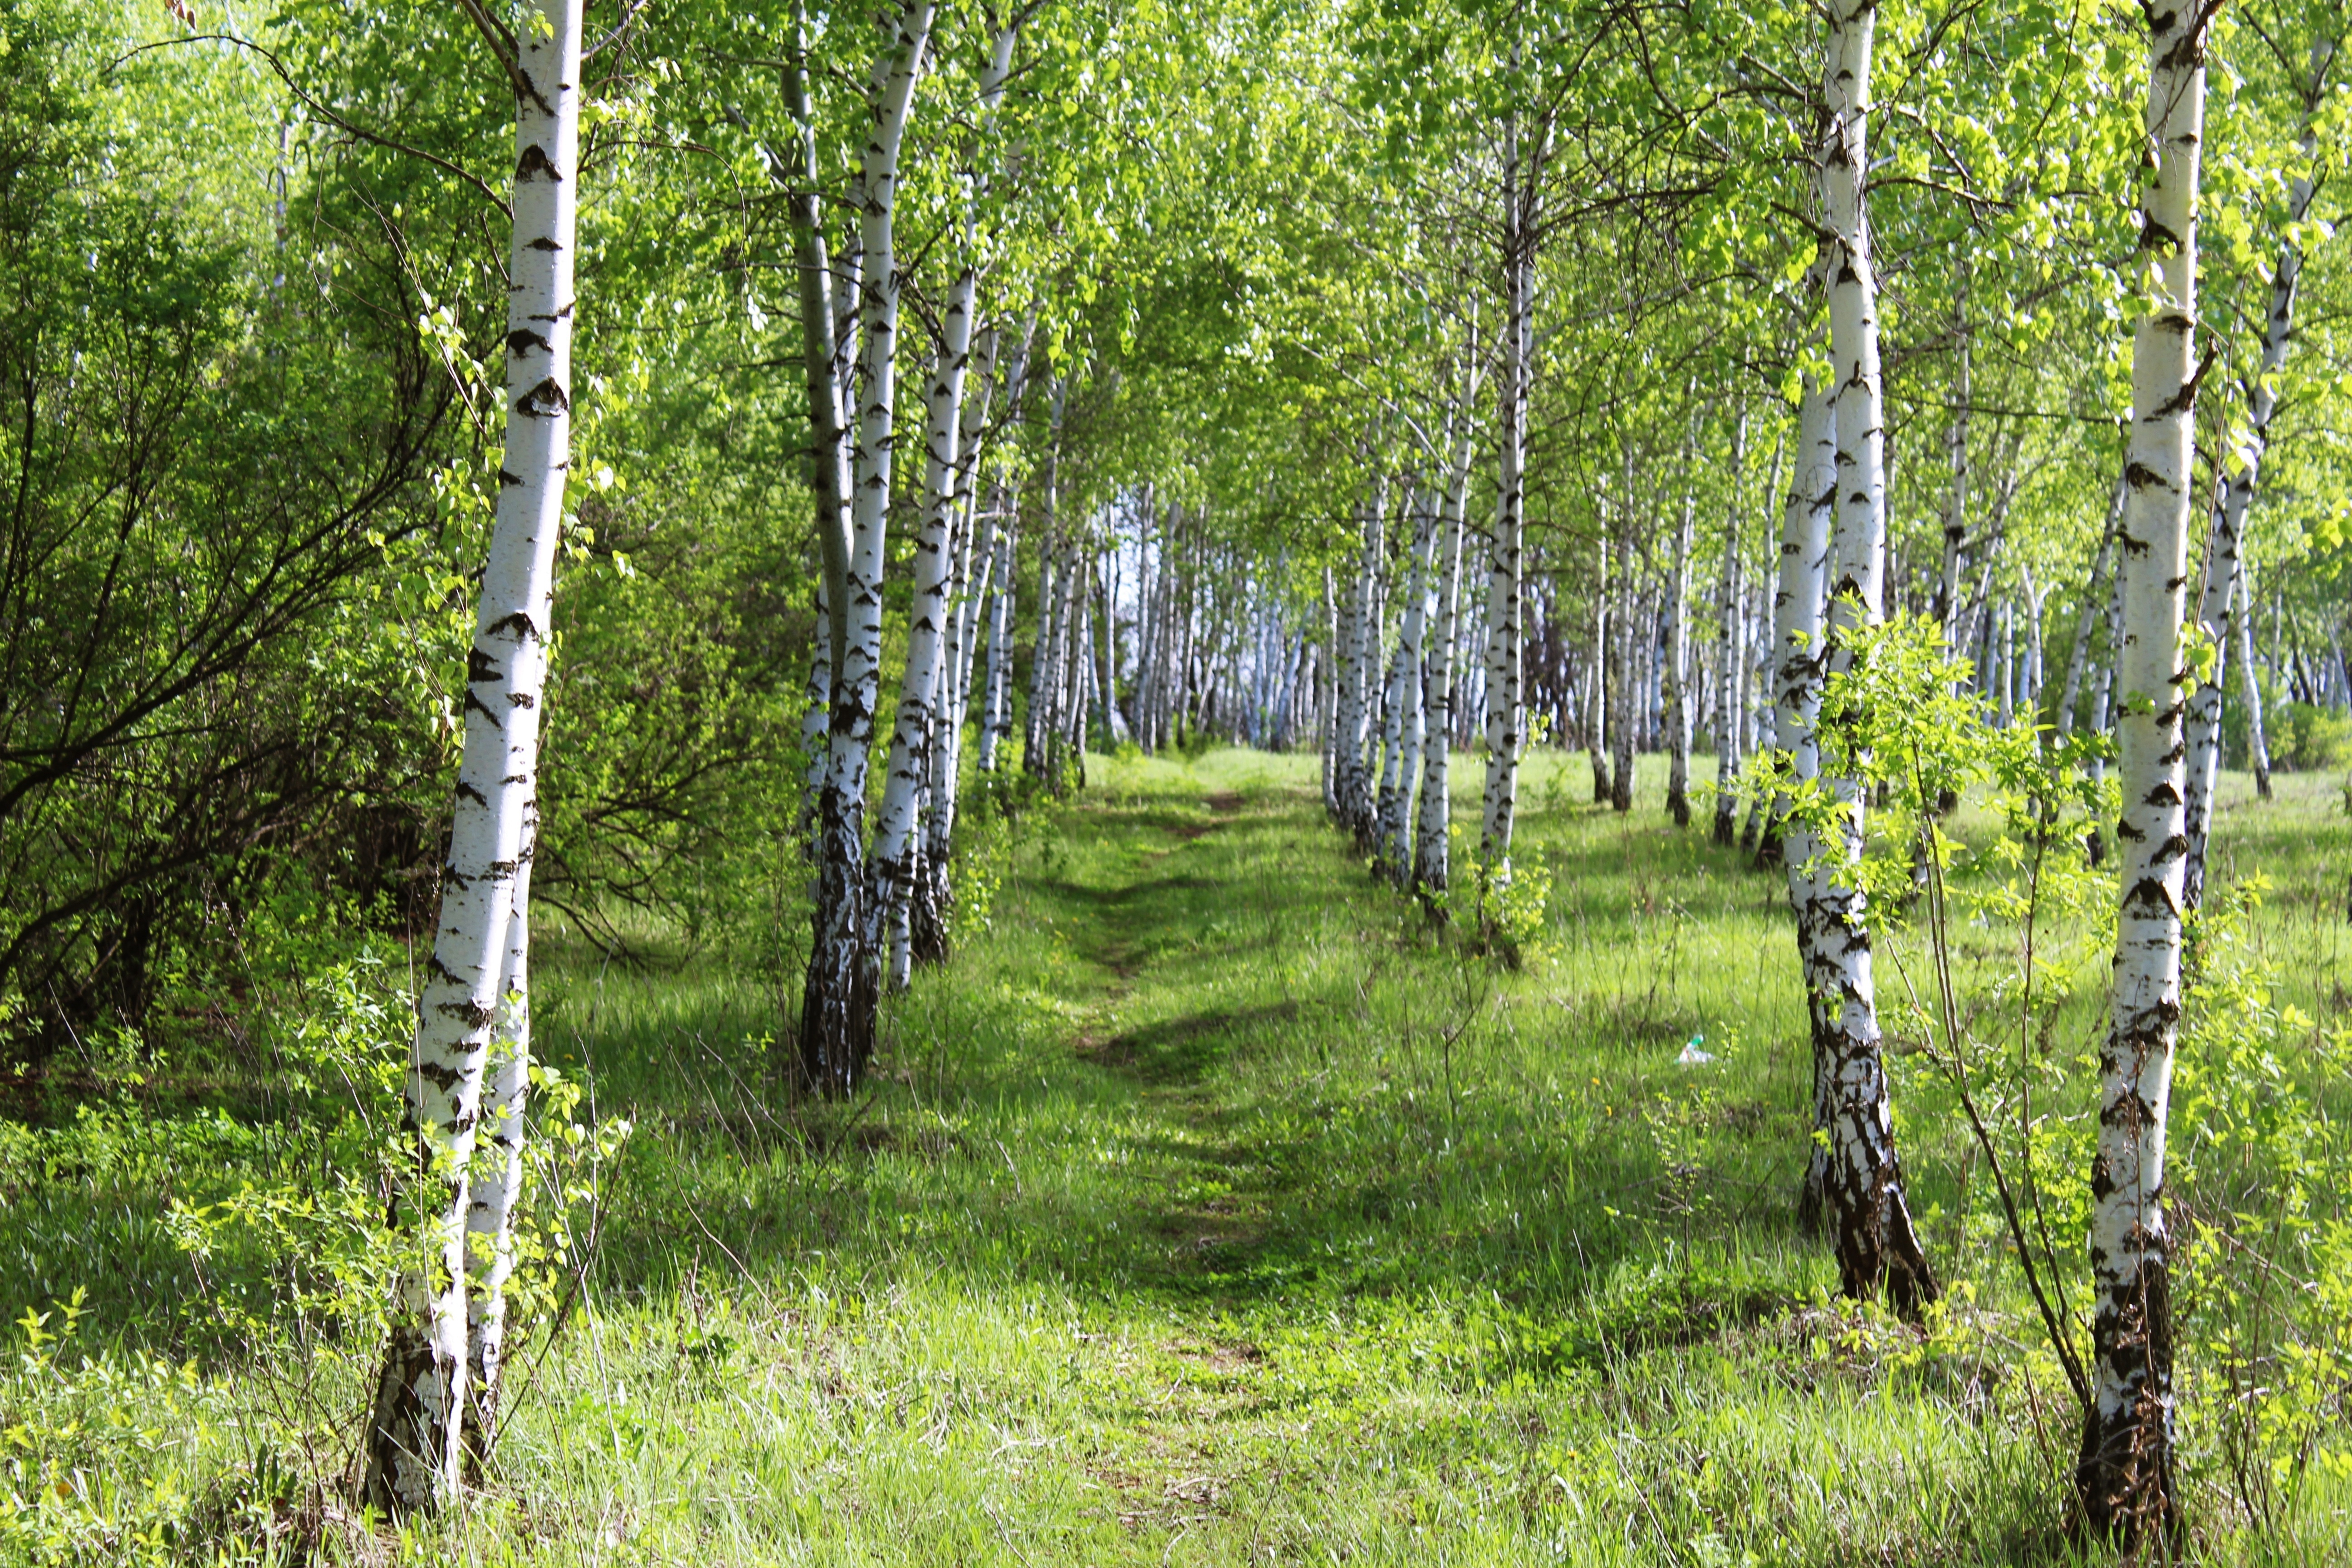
(1208, 1210)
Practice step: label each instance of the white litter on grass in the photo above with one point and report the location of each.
(1691, 1055)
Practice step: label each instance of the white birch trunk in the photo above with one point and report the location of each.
(1731, 607)
(416, 1441)
(1359, 629)
(2224, 556)
(496, 1178)
(1623, 678)
(2258, 751)
(1505, 718)
(1877, 1244)
(1676, 671)
(974, 552)
(2124, 1480)
(1408, 693)
(1597, 737)
(1800, 613)
(896, 827)
(838, 1001)
(2078, 657)
(1433, 856)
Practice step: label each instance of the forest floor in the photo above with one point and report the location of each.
(1208, 1210)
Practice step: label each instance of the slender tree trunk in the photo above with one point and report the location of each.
(496, 1178)
(1388, 819)
(1327, 697)
(1506, 715)
(838, 1000)
(1596, 736)
(2078, 656)
(1409, 692)
(816, 717)
(1676, 671)
(1358, 630)
(1877, 1244)
(2224, 552)
(1800, 613)
(996, 690)
(1764, 653)
(1622, 683)
(1433, 857)
(997, 606)
(897, 827)
(431, 1376)
(974, 538)
(2258, 751)
(1732, 612)
(2125, 1478)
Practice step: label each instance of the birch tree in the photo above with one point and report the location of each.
(1432, 869)
(839, 997)
(1730, 653)
(1679, 650)
(2125, 1482)
(2223, 612)
(1869, 1212)
(1506, 716)
(440, 1373)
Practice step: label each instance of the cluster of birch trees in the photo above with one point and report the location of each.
(920, 398)
(2058, 561)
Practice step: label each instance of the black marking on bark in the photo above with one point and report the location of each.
(546, 399)
(467, 792)
(522, 340)
(2149, 893)
(506, 478)
(535, 164)
(522, 699)
(543, 243)
(2139, 475)
(518, 623)
(476, 705)
(434, 1073)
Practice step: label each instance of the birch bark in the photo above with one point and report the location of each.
(1506, 716)
(1622, 683)
(1877, 1244)
(1358, 629)
(1597, 739)
(974, 555)
(1409, 692)
(839, 997)
(1676, 671)
(996, 694)
(2078, 656)
(416, 1434)
(1799, 611)
(1731, 613)
(2224, 562)
(2258, 751)
(2124, 1479)
(1433, 856)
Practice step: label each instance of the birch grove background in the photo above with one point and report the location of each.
(1085, 781)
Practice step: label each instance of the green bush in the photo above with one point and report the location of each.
(2306, 738)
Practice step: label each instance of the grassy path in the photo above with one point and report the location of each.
(1208, 1212)
(1205, 1210)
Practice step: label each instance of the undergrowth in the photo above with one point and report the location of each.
(1212, 1207)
